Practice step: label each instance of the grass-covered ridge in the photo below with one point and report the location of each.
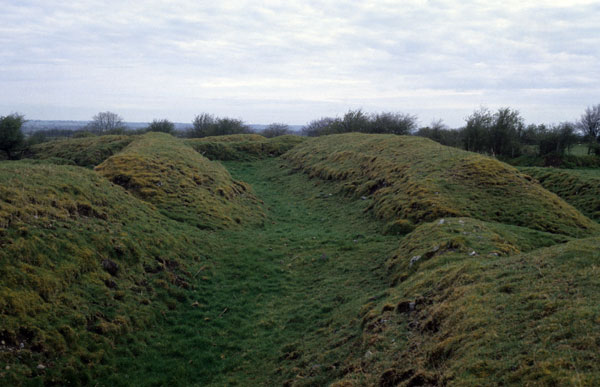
(82, 262)
(243, 146)
(86, 152)
(183, 184)
(459, 318)
(416, 179)
(580, 188)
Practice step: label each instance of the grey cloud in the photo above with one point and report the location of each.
(323, 54)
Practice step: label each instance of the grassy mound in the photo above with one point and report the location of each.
(85, 152)
(185, 186)
(243, 147)
(82, 263)
(579, 188)
(465, 236)
(459, 318)
(419, 180)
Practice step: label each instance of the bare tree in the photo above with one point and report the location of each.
(589, 125)
(203, 125)
(276, 129)
(163, 125)
(106, 122)
(392, 123)
(320, 127)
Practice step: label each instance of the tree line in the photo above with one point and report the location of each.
(504, 133)
(501, 133)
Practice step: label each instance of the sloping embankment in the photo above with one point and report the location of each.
(416, 179)
(183, 184)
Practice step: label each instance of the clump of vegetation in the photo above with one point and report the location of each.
(464, 318)
(106, 123)
(206, 125)
(419, 180)
(358, 121)
(183, 184)
(83, 264)
(11, 135)
(581, 189)
(589, 125)
(163, 125)
(85, 152)
(465, 236)
(243, 146)
(275, 130)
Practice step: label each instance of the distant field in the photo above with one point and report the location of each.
(578, 150)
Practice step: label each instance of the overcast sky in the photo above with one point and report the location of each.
(294, 61)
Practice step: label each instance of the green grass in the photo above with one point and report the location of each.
(389, 261)
(86, 152)
(183, 184)
(418, 180)
(271, 309)
(525, 319)
(578, 150)
(243, 146)
(59, 307)
(579, 187)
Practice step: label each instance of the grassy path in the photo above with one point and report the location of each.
(275, 303)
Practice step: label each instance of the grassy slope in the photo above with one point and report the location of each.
(86, 152)
(243, 146)
(184, 185)
(525, 319)
(271, 309)
(59, 226)
(580, 188)
(316, 293)
(417, 179)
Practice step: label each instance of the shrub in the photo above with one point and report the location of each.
(163, 125)
(276, 130)
(11, 135)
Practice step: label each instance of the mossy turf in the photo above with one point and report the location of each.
(183, 184)
(276, 304)
(462, 319)
(243, 146)
(363, 263)
(580, 188)
(86, 152)
(82, 262)
(419, 180)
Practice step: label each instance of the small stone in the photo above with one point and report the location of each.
(442, 221)
(472, 253)
(412, 306)
(461, 221)
(195, 304)
(7, 367)
(414, 259)
(363, 197)
(41, 367)
(3, 343)
(21, 345)
(368, 355)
